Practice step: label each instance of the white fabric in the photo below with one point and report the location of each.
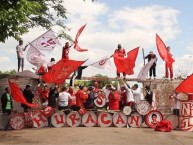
(106, 92)
(137, 95)
(129, 94)
(63, 99)
(20, 49)
(46, 42)
(144, 71)
(104, 63)
(35, 57)
(176, 98)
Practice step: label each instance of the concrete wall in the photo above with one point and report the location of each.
(163, 89)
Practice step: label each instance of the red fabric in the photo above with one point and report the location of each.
(80, 98)
(170, 68)
(124, 98)
(61, 70)
(126, 65)
(76, 47)
(65, 53)
(41, 70)
(163, 52)
(164, 126)
(114, 101)
(186, 86)
(72, 102)
(80, 49)
(17, 95)
(121, 52)
(44, 94)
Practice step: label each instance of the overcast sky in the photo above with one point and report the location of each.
(131, 23)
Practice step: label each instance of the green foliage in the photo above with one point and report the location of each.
(11, 72)
(18, 16)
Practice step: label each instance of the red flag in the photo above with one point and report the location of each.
(80, 49)
(61, 70)
(162, 50)
(130, 61)
(76, 47)
(186, 86)
(17, 95)
(126, 65)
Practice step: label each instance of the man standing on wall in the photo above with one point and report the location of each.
(169, 67)
(152, 69)
(20, 49)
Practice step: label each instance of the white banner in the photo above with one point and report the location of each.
(46, 42)
(144, 71)
(104, 63)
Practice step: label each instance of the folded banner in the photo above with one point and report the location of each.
(163, 52)
(17, 94)
(127, 64)
(144, 71)
(76, 46)
(61, 70)
(186, 86)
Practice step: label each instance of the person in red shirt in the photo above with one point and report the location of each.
(72, 102)
(114, 99)
(81, 97)
(169, 67)
(121, 53)
(96, 87)
(44, 93)
(65, 51)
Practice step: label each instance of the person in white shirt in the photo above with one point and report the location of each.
(106, 91)
(176, 96)
(20, 49)
(63, 99)
(51, 63)
(137, 95)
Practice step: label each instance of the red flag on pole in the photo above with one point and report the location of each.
(17, 94)
(76, 47)
(186, 86)
(162, 50)
(61, 70)
(126, 65)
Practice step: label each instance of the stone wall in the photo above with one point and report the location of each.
(162, 90)
(22, 82)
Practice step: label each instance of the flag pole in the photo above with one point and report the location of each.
(143, 56)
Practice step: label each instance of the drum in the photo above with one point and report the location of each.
(89, 119)
(152, 118)
(82, 111)
(48, 111)
(127, 110)
(73, 119)
(39, 120)
(174, 119)
(28, 119)
(4, 119)
(135, 120)
(17, 121)
(58, 119)
(120, 119)
(100, 101)
(105, 119)
(143, 107)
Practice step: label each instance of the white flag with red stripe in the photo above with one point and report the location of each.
(46, 42)
(144, 71)
(104, 63)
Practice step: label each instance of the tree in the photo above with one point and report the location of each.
(18, 16)
(11, 72)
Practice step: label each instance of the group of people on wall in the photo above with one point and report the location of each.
(120, 51)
